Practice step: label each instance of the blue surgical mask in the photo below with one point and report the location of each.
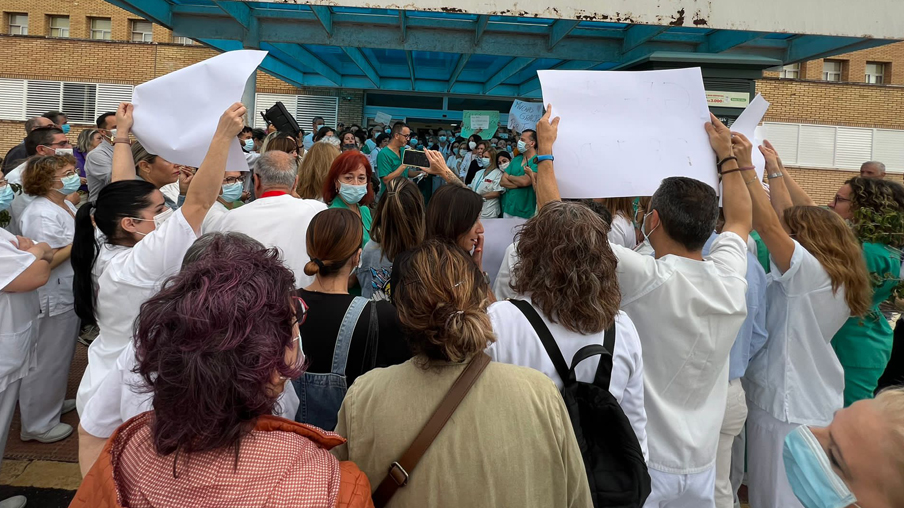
(442, 139)
(387, 131)
(65, 128)
(643, 228)
(508, 148)
(483, 162)
(71, 184)
(249, 144)
(811, 476)
(503, 136)
(420, 147)
(352, 194)
(232, 192)
(413, 142)
(462, 152)
(522, 146)
(6, 197)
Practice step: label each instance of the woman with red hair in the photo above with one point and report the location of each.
(348, 185)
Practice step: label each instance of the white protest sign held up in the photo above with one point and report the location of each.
(480, 122)
(383, 118)
(622, 133)
(747, 124)
(524, 115)
(498, 234)
(176, 115)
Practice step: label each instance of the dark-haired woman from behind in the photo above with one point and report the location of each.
(509, 442)
(344, 336)
(453, 216)
(217, 443)
(137, 244)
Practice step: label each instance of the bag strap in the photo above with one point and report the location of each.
(373, 338)
(344, 337)
(552, 349)
(400, 471)
(604, 370)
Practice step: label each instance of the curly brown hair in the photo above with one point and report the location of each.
(878, 208)
(40, 173)
(442, 302)
(567, 268)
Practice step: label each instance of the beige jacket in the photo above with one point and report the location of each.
(509, 443)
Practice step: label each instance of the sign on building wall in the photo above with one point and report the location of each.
(727, 99)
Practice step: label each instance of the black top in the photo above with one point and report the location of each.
(472, 170)
(320, 328)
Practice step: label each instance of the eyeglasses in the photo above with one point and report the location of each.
(68, 173)
(59, 143)
(838, 199)
(231, 180)
(301, 309)
(406, 136)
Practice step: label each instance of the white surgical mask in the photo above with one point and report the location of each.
(472, 145)
(158, 219)
(503, 166)
(522, 146)
(63, 151)
(462, 152)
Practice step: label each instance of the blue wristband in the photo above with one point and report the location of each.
(541, 158)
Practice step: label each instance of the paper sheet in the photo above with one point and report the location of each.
(480, 122)
(383, 118)
(524, 115)
(747, 123)
(491, 121)
(176, 115)
(497, 236)
(622, 133)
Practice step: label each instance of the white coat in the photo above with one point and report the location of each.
(18, 312)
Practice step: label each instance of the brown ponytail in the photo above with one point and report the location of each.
(334, 236)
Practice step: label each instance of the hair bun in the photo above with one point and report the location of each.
(311, 268)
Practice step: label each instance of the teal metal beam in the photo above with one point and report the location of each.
(238, 10)
(811, 47)
(533, 84)
(481, 27)
(460, 66)
(294, 52)
(410, 60)
(325, 16)
(361, 61)
(636, 35)
(510, 69)
(403, 25)
(723, 40)
(559, 29)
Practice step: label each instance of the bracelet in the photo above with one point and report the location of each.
(723, 161)
(775, 175)
(731, 171)
(122, 140)
(748, 182)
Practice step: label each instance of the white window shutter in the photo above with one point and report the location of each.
(853, 147)
(12, 99)
(109, 97)
(42, 96)
(783, 137)
(79, 102)
(817, 146)
(265, 101)
(310, 106)
(888, 148)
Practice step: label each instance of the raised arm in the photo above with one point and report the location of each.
(547, 188)
(206, 184)
(439, 168)
(735, 173)
(123, 163)
(799, 197)
(778, 191)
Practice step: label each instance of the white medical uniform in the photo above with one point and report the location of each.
(214, 214)
(278, 221)
(501, 288)
(18, 312)
(796, 379)
(687, 314)
(125, 278)
(20, 202)
(42, 392)
(517, 343)
(483, 183)
(124, 394)
(622, 232)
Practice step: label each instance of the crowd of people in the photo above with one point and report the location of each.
(320, 330)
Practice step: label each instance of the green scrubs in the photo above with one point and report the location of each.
(522, 201)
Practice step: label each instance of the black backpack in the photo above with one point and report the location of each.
(613, 459)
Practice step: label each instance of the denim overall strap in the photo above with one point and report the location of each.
(344, 338)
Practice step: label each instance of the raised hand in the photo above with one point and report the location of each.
(124, 120)
(742, 148)
(547, 132)
(719, 137)
(233, 121)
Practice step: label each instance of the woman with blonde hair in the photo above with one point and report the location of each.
(818, 280)
(508, 443)
(313, 170)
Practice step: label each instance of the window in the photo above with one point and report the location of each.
(59, 26)
(142, 31)
(875, 73)
(831, 70)
(101, 28)
(790, 71)
(18, 24)
(185, 41)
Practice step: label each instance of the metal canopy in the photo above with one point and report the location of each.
(438, 51)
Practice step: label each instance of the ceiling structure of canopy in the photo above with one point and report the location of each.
(473, 50)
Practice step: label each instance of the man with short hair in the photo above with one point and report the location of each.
(99, 162)
(59, 119)
(389, 160)
(41, 141)
(316, 124)
(258, 136)
(17, 154)
(872, 169)
(445, 144)
(519, 199)
(275, 218)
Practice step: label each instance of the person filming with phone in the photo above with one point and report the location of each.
(389, 161)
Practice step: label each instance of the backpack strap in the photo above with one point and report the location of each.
(552, 349)
(344, 337)
(604, 370)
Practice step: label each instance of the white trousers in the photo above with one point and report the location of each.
(43, 389)
(767, 485)
(732, 425)
(682, 490)
(8, 399)
(738, 464)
